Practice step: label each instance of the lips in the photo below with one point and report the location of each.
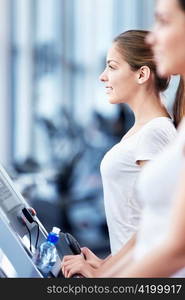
(109, 88)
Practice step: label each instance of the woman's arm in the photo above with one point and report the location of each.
(108, 267)
(160, 262)
(118, 261)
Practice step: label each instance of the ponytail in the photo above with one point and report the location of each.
(179, 103)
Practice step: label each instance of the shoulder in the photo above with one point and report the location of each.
(159, 131)
(160, 127)
(156, 134)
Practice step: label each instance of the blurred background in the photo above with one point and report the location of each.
(56, 123)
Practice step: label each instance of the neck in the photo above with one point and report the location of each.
(147, 106)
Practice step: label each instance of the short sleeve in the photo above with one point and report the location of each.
(153, 140)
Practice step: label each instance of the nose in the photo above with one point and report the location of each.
(103, 76)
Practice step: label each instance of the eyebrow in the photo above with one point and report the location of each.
(112, 60)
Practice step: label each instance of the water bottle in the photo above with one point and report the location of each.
(46, 255)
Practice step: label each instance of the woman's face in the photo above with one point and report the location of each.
(120, 80)
(168, 38)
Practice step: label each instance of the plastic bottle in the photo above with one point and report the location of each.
(46, 255)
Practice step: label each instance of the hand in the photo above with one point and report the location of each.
(93, 260)
(76, 264)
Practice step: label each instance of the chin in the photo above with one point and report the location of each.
(112, 101)
(166, 68)
(115, 100)
(163, 72)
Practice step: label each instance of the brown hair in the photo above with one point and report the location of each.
(137, 53)
(182, 4)
(179, 103)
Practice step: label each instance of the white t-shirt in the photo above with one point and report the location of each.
(119, 170)
(156, 187)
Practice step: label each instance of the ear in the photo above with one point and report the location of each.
(143, 74)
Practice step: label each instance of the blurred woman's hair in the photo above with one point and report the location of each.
(182, 4)
(179, 103)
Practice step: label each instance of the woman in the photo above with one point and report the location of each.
(130, 77)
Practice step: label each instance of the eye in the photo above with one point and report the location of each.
(110, 67)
